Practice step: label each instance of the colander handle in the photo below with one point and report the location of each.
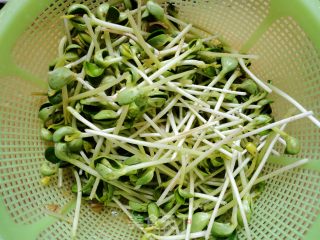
(305, 12)
(15, 17)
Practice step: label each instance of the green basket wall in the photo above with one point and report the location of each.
(287, 37)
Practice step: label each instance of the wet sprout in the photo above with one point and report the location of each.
(63, 132)
(153, 212)
(158, 121)
(247, 85)
(102, 59)
(138, 207)
(222, 230)
(293, 145)
(48, 170)
(199, 221)
(60, 77)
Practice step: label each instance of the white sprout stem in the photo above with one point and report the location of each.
(119, 41)
(167, 199)
(261, 165)
(170, 64)
(66, 27)
(282, 170)
(234, 217)
(275, 152)
(238, 199)
(121, 119)
(133, 193)
(234, 55)
(61, 46)
(225, 152)
(97, 90)
(84, 167)
(197, 63)
(141, 40)
(94, 188)
(275, 124)
(186, 133)
(173, 88)
(169, 232)
(159, 115)
(112, 26)
(211, 150)
(209, 110)
(168, 189)
(234, 105)
(215, 210)
(282, 141)
(190, 210)
(82, 119)
(86, 159)
(178, 37)
(158, 176)
(107, 40)
(98, 148)
(187, 128)
(84, 83)
(123, 208)
(234, 174)
(295, 103)
(82, 74)
(141, 73)
(78, 206)
(214, 135)
(243, 177)
(167, 216)
(147, 164)
(184, 120)
(245, 117)
(168, 79)
(158, 154)
(172, 123)
(215, 184)
(92, 34)
(139, 17)
(211, 88)
(60, 177)
(163, 53)
(77, 62)
(140, 142)
(148, 135)
(154, 125)
(251, 75)
(198, 173)
(208, 197)
(180, 46)
(226, 86)
(187, 95)
(134, 38)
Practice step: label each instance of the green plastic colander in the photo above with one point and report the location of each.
(284, 33)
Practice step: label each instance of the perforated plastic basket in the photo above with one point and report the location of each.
(284, 33)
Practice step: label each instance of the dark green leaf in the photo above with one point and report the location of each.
(93, 70)
(51, 156)
(60, 77)
(105, 114)
(138, 207)
(113, 14)
(159, 41)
